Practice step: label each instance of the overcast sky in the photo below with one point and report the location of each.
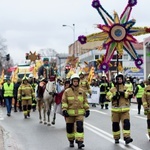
(37, 24)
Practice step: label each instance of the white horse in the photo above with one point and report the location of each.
(46, 102)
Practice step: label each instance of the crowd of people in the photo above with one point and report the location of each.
(71, 98)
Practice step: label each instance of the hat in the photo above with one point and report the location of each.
(45, 59)
(43, 79)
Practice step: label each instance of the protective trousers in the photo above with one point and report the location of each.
(74, 128)
(148, 123)
(125, 121)
(26, 104)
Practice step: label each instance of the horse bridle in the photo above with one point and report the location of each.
(50, 93)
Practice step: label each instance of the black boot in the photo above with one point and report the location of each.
(80, 144)
(128, 140)
(116, 141)
(71, 143)
(102, 106)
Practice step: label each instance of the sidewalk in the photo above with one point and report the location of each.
(1, 139)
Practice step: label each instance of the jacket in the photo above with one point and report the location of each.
(74, 100)
(124, 103)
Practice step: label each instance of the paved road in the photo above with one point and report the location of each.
(28, 134)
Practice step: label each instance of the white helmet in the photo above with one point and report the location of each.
(141, 81)
(31, 76)
(149, 76)
(75, 76)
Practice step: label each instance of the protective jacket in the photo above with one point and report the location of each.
(26, 92)
(146, 98)
(139, 90)
(122, 104)
(85, 85)
(74, 101)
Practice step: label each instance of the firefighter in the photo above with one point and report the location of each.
(33, 83)
(146, 104)
(84, 83)
(8, 94)
(139, 90)
(129, 85)
(75, 107)
(104, 87)
(119, 97)
(26, 94)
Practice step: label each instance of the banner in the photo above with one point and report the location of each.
(95, 95)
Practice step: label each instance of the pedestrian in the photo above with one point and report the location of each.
(119, 97)
(75, 107)
(58, 101)
(146, 104)
(8, 94)
(16, 94)
(138, 93)
(33, 83)
(104, 86)
(26, 94)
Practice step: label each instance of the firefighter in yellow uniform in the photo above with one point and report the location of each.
(118, 95)
(146, 104)
(84, 83)
(75, 107)
(129, 85)
(26, 94)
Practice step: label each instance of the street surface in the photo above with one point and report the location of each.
(29, 134)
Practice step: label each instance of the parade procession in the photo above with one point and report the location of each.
(94, 97)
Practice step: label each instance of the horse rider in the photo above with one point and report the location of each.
(119, 97)
(46, 71)
(26, 94)
(84, 83)
(146, 104)
(33, 83)
(8, 94)
(75, 106)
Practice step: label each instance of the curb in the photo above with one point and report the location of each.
(1, 138)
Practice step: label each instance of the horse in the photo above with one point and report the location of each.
(45, 101)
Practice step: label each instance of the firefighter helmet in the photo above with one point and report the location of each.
(75, 76)
(149, 77)
(31, 75)
(25, 78)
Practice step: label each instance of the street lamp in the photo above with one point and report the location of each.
(73, 29)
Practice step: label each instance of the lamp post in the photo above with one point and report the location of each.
(73, 29)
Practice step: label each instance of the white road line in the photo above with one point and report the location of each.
(147, 136)
(141, 117)
(98, 111)
(109, 137)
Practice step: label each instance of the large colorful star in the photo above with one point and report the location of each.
(117, 33)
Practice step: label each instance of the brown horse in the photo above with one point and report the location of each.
(45, 101)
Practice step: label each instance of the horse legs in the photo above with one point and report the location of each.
(54, 118)
(44, 112)
(39, 109)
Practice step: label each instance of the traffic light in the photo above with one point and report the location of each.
(8, 57)
(27, 56)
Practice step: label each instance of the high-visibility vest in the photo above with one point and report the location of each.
(8, 90)
(140, 91)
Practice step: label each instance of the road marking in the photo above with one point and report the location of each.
(141, 117)
(98, 111)
(109, 137)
